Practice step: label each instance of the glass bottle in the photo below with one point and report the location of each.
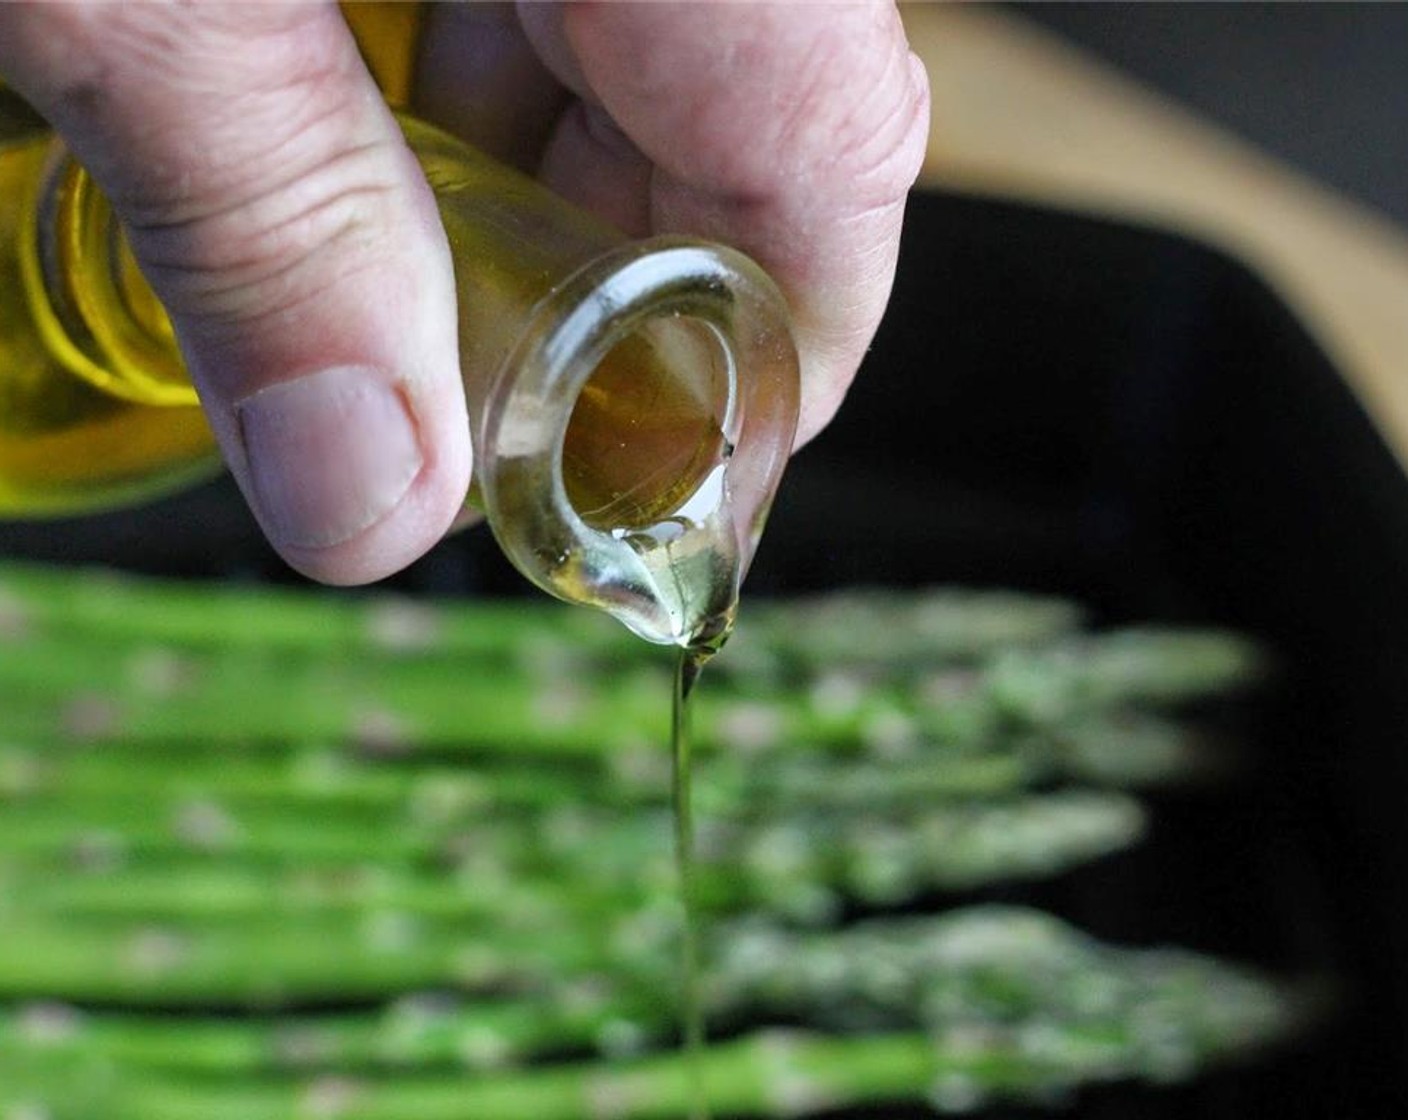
(632, 403)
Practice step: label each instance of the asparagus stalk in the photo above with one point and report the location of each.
(132, 662)
(412, 1033)
(1137, 665)
(924, 626)
(61, 691)
(104, 605)
(172, 890)
(1131, 749)
(1010, 1003)
(331, 780)
(786, 863)
(768, 1074)
(272, 960)
(772, 1074)
(66, 690)
(874, 629)
(1042, 664)
(80, 936)
(999, 970)
(139, 699)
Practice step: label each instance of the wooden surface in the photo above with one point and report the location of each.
(1020, 114)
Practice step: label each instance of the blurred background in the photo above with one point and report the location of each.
(1314, 85)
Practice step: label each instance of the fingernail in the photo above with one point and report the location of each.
(329, 454)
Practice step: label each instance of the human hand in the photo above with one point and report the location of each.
(276, 211)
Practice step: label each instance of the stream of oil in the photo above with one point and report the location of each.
(687, 670)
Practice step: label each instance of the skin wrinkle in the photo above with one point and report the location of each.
(802, 116)
(728, 168)
(219, 262)
(796, 116)
(300, 100)
(241, 257)
(227, 344)
(794, 235)
(242, 228)
(862, 144)
(244, 292)
(229, 179)
(888, 156)
(154, 36)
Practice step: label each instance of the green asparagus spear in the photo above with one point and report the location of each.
(920, 627)
(1009, 1003)
(772, 1074)
(143, 697)
(81, 936)
(1041, 664)
(104, 605)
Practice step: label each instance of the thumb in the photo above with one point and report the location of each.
(279, 216)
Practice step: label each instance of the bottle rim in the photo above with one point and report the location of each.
(519, 447)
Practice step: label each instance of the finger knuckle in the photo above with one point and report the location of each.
(276, 249)
(865, 122)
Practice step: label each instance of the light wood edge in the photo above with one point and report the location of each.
(1019, 113)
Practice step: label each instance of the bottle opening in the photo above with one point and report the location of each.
(628, 457)
(649, 427)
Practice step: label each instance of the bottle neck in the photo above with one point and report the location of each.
(633, 403)
(92, 306)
